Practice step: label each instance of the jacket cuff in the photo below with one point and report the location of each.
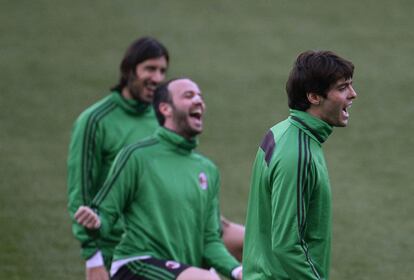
(95, 261)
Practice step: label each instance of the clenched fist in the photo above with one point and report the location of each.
(86, 217)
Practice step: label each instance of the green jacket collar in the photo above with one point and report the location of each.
(173, 139)
(314, 126)
(131, 105)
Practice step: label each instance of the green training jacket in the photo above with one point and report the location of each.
(168, 197)
(98, 135)
(288, 226)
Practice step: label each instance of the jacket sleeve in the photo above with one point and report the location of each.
(84, 163)
(289, 201)
(215, 253)
(118, 191)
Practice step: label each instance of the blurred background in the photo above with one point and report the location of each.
(58, 57)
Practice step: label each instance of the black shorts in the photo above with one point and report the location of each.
(150, 269)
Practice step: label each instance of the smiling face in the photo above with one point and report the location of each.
(334, 108)
(148, 75)
(185, 113)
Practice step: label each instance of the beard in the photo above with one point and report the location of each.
(180, 118)
(135, 87)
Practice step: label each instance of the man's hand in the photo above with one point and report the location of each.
(237, 273)
(240, 275)
(86, 217)
(97, 273)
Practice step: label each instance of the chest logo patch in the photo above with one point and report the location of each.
(202, 180)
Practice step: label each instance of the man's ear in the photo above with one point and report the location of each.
(313, 98)
(165, 109)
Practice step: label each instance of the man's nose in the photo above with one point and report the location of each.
(353, 93)
(158, 76)
(197, 99)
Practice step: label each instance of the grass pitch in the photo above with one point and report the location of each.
(58, 57)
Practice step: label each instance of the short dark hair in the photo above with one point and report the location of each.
(140, 50)
(162, 95)
(315, 71)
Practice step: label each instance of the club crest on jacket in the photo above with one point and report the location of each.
(202, 180)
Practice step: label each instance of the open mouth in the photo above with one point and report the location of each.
(346, 108)
(196, 115)
(151, 88)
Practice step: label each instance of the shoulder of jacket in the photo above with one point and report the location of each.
(98, 110)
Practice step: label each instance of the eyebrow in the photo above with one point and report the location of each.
(347, 83)
(192, 91)
(155, 67)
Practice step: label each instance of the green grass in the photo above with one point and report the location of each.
(57, 57)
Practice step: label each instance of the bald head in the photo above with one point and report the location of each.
(179, 106)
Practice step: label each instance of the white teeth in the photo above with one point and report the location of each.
(196, 114)
(347, 107)
(196, 111)
(151, 86)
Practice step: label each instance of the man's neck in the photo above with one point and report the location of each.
(313, 111)
(126, 93)
(173, 128)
